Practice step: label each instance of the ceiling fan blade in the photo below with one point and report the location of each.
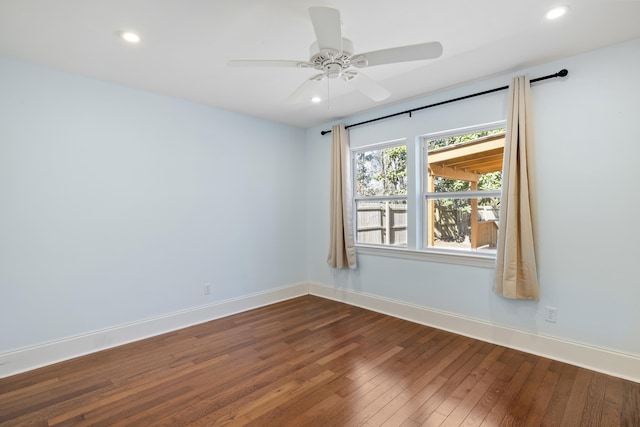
(304, 89)
(368, 87)
(269, 63)
(414, 52)
(326, 24)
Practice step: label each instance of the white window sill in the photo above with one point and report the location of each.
(448, 257)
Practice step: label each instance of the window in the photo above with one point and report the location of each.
(380, 189)
(436, 198)
(462, 181)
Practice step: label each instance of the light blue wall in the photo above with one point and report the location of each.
(117, 205)
(587, 147)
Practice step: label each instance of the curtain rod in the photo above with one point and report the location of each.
(561, 73)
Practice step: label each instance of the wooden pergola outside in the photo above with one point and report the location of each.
(466, 161)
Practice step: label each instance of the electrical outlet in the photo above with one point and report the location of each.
(207, 289)
(551, 314)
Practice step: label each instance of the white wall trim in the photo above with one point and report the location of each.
(609, 362)
(598, 359)
(438, 255)
(32, 357)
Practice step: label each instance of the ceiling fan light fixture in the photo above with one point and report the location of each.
(129, 36)
(556, 12)
(316, 99)
(333, 70)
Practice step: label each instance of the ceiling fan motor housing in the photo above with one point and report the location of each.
(331, 62)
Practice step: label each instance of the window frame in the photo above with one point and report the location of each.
(425, 195)
(417, 203)
(356, 198)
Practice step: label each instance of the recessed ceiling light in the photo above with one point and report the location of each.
(129, 36)
(556, 12)
(316, 99)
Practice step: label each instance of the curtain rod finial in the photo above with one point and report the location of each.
(324, 132)
(563, 73)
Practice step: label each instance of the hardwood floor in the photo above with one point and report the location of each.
(316, 362)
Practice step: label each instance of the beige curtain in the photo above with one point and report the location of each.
(342, 250)
(516, 274)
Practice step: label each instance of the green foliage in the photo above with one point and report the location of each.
(452, 140)
(382, 172)
(490, 181)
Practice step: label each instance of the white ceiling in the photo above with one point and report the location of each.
(186, 44)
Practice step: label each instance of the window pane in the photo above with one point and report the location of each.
(465, 162)
(381, 172)
(381, 222)
(459, 139)
(468, 224)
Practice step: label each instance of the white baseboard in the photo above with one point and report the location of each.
(37, 356)
(597, 359)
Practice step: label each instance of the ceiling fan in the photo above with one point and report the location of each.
(333, 56)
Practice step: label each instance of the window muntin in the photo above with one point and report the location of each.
(380, 181)
(462, 189)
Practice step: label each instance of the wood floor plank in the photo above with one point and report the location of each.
(432, 363)
(290, 409)
(513, 387)
(254, 406)
(593, 407)
(318, 414)
(314, 362)
(630, 413)
(410, 403)
(612, 405)
(43, 400)
(577, 399)
(455, 374)
(541, 399)
(558, 404)
(397, 392)
(343, 387)
(511, 360)
(522, 403)
(473, 388)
